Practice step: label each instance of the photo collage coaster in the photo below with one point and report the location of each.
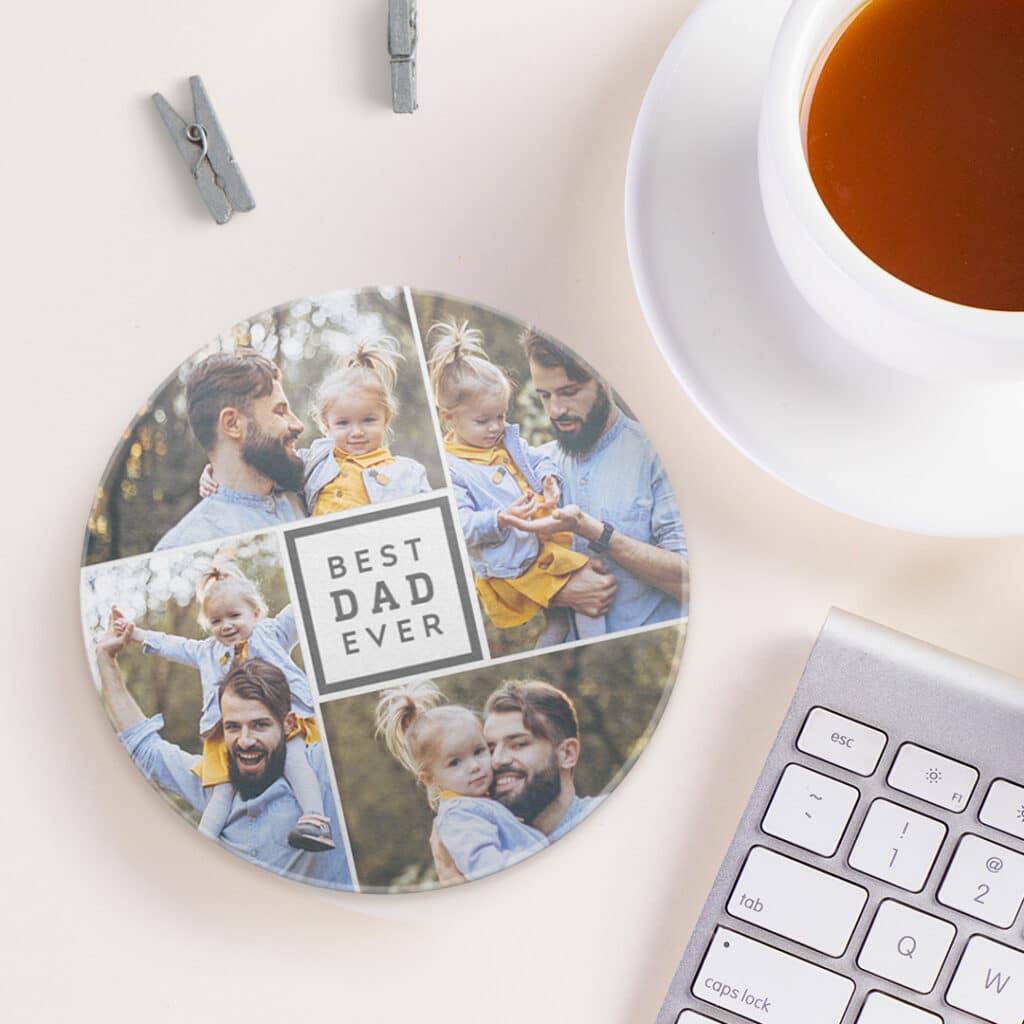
(384, 590)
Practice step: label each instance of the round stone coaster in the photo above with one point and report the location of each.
(384, 590)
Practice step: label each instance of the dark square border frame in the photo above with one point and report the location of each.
(424, 668)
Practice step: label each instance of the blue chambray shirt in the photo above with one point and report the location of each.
(226, 513)
(405, 477)
(621, 480)
(271, 640)
(495, 551)
(580, 807)
(257, 829)
(484, 836)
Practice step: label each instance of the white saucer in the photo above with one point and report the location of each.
(796, 399)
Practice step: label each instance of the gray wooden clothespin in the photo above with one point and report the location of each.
(402, 47)
(205, 150)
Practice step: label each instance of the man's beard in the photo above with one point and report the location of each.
(591, 426)
(540, 790)
(269, 456)
(250, 786)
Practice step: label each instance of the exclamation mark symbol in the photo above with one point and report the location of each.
(895, 850)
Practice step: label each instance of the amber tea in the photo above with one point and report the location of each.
(914, 128)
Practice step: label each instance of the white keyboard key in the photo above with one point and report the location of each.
(984, 880)
(989, 982)
(841, 741)
(800, 902)
(932, 777)
(766, 985)
(810, 810)
(693, 1017)
(882, 1009)
(897, 845)
(1004, 808)
(906, 946)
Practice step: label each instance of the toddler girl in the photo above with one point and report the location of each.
(233, 612)
(351, 465)
(443, 745)
(495, 475)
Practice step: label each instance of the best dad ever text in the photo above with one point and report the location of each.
(405, 590)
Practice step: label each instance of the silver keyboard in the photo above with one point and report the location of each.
(877, 874)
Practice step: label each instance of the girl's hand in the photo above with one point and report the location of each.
(552, 494)
(125, 629)
(115, 639)
(520, 510)
(207, 484)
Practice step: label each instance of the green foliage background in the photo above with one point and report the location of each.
(619, 687)
(151, 480)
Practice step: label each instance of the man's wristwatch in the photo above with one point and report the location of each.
(600, 544)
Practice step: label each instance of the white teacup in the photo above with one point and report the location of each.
(893, 321)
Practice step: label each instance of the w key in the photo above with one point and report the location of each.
(989, 982)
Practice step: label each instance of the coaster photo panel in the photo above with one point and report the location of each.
(384, 590)
(517, 408)
(471, 736)
(319, 348)
(194, 654)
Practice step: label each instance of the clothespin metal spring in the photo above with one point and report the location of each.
(215, 171)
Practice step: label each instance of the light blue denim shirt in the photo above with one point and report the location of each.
(257, 829)
(226, 513)
(484, 836)
(399, 479)
(580, 807)
(498, 552)
(621, 480)
(271, 640)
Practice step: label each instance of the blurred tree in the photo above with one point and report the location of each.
(619, 687)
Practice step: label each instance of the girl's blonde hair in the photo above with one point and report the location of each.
(410, 718)
(371, 366)
(459, 366)
(222, 579)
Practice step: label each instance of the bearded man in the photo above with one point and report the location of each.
(617, 499)
(256, 715)
(240, 416)
(533, 734)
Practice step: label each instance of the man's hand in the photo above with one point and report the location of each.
(207, 484)
(117, 635)
(447, 872)
(590, 590)
(519, 511)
